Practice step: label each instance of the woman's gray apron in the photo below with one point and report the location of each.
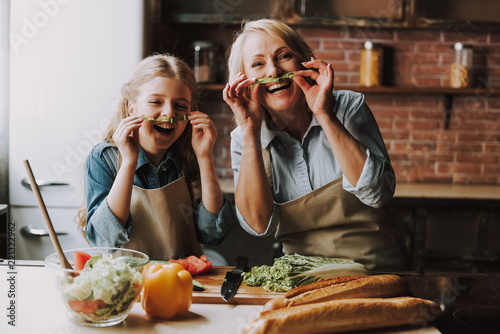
(163, 224)
(332, 222)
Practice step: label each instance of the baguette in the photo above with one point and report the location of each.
(341, 288)
(345, 315)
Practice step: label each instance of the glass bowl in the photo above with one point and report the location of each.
(103, 293)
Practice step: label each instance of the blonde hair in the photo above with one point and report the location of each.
(276, 29)
(168, 66)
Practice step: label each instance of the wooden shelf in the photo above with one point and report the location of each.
(447, 92)
(399, 90)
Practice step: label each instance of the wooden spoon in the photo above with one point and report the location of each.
(53, 236)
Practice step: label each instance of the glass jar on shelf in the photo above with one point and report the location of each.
(204, 61)
(370, 71)
(461, 65)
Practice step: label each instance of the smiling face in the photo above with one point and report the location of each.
(265, 56)
(161, 97)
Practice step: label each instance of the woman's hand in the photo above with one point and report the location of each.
(248, 111)
(318, 96)
(204, 134)
(126, 138)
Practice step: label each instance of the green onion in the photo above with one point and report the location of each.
(291, 271)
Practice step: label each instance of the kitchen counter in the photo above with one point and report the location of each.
(38, 311)
(424, 190)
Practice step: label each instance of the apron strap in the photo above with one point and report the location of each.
(266, 156)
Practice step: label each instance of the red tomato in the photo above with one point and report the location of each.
(195, 265)
(86, 306)
(183, 262)
(207, 261)
(80, 258)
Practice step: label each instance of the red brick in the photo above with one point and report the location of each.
(313, 44)
(416, 125)
(430, 178)
(374, 35)
(494, 37)
(420, 58)
(440, 157)
(417, 100)
(492, 147)
(426, 114)
(417, 35)
(473, 179)
(403, 46)
(491, 169)
(458, 168)
(431, 47)
(340, 45)
(321, 32)
(434, 135)
(418, 80)
(453, 37)
(477, 158)
(354, 56)
(394, 135)
(458, 147)
(332, 56)
(339, 79)
(429, 69)
(494, 101)
(477, 136)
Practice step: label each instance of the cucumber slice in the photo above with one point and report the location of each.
(197, 286)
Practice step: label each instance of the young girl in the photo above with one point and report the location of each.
(151, 184)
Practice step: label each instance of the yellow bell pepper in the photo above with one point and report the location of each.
(168, 290)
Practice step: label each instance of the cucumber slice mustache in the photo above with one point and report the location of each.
(166, 119)
(287, 75)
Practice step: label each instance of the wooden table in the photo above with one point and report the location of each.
(37, 310)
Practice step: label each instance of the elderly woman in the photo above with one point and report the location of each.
(310, 164)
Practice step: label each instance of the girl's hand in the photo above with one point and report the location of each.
(126, 138)
(319, 96)
(204, 134)
(248, 111)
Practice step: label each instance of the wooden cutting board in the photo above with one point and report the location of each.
(246, 295)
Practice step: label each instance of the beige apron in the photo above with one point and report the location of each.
(332, 222)
(163, 224)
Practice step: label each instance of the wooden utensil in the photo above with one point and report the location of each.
(53, 236)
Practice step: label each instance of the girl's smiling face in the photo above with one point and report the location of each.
(264, 56)
(161, 97)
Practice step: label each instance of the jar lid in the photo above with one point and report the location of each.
(202, 44)
(460, 46)
(370, 45)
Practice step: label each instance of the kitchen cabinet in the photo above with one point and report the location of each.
(471, 14)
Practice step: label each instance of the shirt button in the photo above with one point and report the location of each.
(164, 168)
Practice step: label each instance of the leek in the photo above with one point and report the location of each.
(291, 271)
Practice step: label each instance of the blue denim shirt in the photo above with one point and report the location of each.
(102, 226)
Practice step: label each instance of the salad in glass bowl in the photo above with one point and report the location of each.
(103, 285)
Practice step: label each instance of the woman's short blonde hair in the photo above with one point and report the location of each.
(278, 30)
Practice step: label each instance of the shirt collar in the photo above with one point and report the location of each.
(269, 131)
(172, 154)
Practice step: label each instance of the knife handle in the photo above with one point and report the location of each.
(241, 263)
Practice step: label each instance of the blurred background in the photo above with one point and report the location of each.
(430, 72)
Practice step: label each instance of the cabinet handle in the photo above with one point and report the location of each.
(42, 183)
(32, 232)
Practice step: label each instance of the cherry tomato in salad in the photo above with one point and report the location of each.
(79, 259)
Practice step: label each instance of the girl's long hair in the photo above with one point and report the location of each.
(158, 65)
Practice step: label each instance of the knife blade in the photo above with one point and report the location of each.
(233, 278)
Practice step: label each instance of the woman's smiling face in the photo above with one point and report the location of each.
(161, 97)
(264, 56)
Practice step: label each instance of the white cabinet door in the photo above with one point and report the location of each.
(68, 62)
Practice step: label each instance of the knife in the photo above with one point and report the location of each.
(233, 278)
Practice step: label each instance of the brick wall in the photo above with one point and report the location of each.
(420, 147)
